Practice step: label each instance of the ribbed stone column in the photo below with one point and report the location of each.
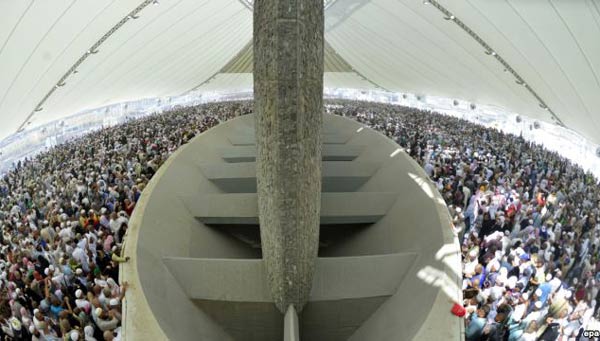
(288, 94)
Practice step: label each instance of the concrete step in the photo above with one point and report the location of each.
(248, 139)
(241, 177)
(336, 208)
(331, 152)
(244, 280)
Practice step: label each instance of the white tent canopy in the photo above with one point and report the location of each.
(62, 56)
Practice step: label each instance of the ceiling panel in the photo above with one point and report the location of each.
(399, 45)
(554, 45)
(407, 46)
(164, 52)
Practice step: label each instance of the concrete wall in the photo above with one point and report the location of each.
(164, 230)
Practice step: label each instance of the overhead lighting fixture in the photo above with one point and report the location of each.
(543, 106)
(75, 71)
(59, 85)
(155, 2)
(520, 82)
(449, 17)
(133, 17)
(38, 109)
(92, 51)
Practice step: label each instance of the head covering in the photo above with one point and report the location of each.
(512, 282)
(78, 293)
(74, 335)
(15, 323)
(114, 302)
(98, 311)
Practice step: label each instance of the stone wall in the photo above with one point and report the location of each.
(288, 90)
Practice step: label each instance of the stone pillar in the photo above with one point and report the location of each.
(288, 97)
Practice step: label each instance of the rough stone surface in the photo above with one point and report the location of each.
(288, 92)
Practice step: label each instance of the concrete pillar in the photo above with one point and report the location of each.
(288, 95)
(291, 328)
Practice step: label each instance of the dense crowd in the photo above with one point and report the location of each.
(63, 216)
(527, 219)
(526, 216)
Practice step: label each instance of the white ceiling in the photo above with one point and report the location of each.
(399, 45)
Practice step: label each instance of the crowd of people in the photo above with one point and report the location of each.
(526, 219)
(64, 214)
(527, 222)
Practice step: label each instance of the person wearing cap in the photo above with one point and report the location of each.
(114, 305)
(73, 335)
(104, 320)
(81, 302)
(535, 314)
(89, 333)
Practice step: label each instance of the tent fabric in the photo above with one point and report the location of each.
(412, 46)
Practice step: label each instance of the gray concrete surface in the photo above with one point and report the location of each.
(240, 177)
(291, 327)
(249, 139)
(336, 208)
(288, 105)
(244, 280)
(330, 152)
(162, 304)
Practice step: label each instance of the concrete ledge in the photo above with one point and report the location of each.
(371, 276)
(250, 140)
(331, 152)
(241, 177)
(244, 280)
(233, 280)
(336, 208)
